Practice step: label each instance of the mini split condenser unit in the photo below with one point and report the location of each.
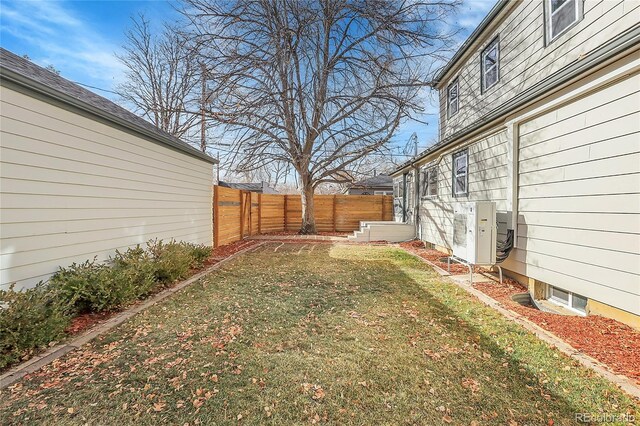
(474, 232)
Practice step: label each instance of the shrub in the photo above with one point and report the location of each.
(199, 253)
(95, 287)
(172, 260)
(35, 317)
(29, 319)
(137, 268)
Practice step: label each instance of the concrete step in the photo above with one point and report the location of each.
(383, 231)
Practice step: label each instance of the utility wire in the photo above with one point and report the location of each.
(96, 88)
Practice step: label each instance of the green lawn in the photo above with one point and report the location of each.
(341, 334)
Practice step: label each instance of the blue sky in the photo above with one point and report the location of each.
(80, 38)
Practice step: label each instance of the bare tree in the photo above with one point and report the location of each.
(163, 80)
(318, 84)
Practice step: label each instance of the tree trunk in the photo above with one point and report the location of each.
(308, 209)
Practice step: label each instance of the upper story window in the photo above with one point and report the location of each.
(460, 172)
(452, 98)
(430, 181)
(560, 15)
(491, 64)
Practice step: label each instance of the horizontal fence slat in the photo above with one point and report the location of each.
(240, 214)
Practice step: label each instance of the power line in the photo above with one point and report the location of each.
(97, 88)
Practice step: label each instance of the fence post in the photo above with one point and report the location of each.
(259, 213)
(216, 216)
(382, 210)
(285, 212)
(250, 203)
(241, 215)
(334, 213)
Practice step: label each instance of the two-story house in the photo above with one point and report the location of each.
(540, 112)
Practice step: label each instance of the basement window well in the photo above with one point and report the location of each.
(568, 299)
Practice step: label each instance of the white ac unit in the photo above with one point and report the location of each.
(474, 232)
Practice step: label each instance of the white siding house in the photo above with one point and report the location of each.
(81, 177)
(550, 128)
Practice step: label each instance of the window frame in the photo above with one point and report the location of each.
(426, 173)
(495, 42)
(548, 19)
(569, 303)
(454, 174)
(455, 83)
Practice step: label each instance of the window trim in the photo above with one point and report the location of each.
(569, 304)
(454, 175)
(455, 82)
(483, 85)
(548, 20)
(426, 175)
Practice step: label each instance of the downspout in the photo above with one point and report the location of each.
(416, 207)
(512, 198)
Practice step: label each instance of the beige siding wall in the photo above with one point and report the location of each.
(524, 58)
(579, 196)
(73, 188)
(578, 192)
(488, 180)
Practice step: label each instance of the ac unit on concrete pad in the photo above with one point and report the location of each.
(475, 232)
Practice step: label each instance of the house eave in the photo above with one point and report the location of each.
(8, 76)
(497, 9)
(624, 44)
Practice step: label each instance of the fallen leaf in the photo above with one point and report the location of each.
(318, 394)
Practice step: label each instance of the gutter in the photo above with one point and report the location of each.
(42, 89)
(627, 40)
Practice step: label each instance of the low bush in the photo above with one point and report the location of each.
(33, 318)
(29, 320)
(173, 260)
(94, 287)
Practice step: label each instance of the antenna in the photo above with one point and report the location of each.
(413, 139)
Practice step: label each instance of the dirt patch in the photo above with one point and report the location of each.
(227, 250)
(609, 341)
(320, 234)
(436, 257)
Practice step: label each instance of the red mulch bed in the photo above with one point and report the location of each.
(222, 252)
(86, 321)
(436, 257)
(610, 342)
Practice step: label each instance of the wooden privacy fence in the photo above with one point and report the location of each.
(239, 214)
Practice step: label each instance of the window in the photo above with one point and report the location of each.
(460, 173)
(381, 193)
(568, 299)
(430, 181)
(490, 65)
(452, 98)
(560, 15)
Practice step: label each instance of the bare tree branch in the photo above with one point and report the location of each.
(316, 84)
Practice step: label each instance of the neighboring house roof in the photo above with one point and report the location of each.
(378, 181)
(252, 186)
(497, 8)
(25, 73)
